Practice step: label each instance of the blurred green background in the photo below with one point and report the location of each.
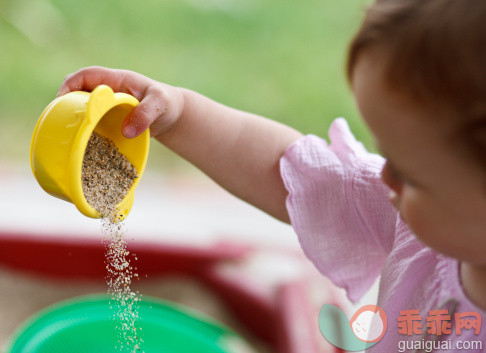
(283, 59)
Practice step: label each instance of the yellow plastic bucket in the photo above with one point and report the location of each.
(61, 136)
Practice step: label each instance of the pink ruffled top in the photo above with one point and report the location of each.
(339, 208)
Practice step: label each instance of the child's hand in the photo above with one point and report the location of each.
(160, 106)
(238, 150)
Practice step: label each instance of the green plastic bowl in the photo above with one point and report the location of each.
(85, 325)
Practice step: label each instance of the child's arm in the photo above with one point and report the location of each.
(239, 150)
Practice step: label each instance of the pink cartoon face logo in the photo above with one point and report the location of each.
(369, 323)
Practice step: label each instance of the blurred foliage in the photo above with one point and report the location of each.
(279, 58)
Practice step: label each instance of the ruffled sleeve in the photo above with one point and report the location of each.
(339, 207)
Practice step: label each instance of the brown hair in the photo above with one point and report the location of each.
(435, 51)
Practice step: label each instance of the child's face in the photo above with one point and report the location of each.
(439, 191)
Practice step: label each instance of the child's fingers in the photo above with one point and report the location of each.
(144, 114)
(89, 78)
(153, 96)
(85, 80)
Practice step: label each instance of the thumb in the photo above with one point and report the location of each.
(139, 119)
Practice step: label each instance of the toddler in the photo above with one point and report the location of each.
(417, 218)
